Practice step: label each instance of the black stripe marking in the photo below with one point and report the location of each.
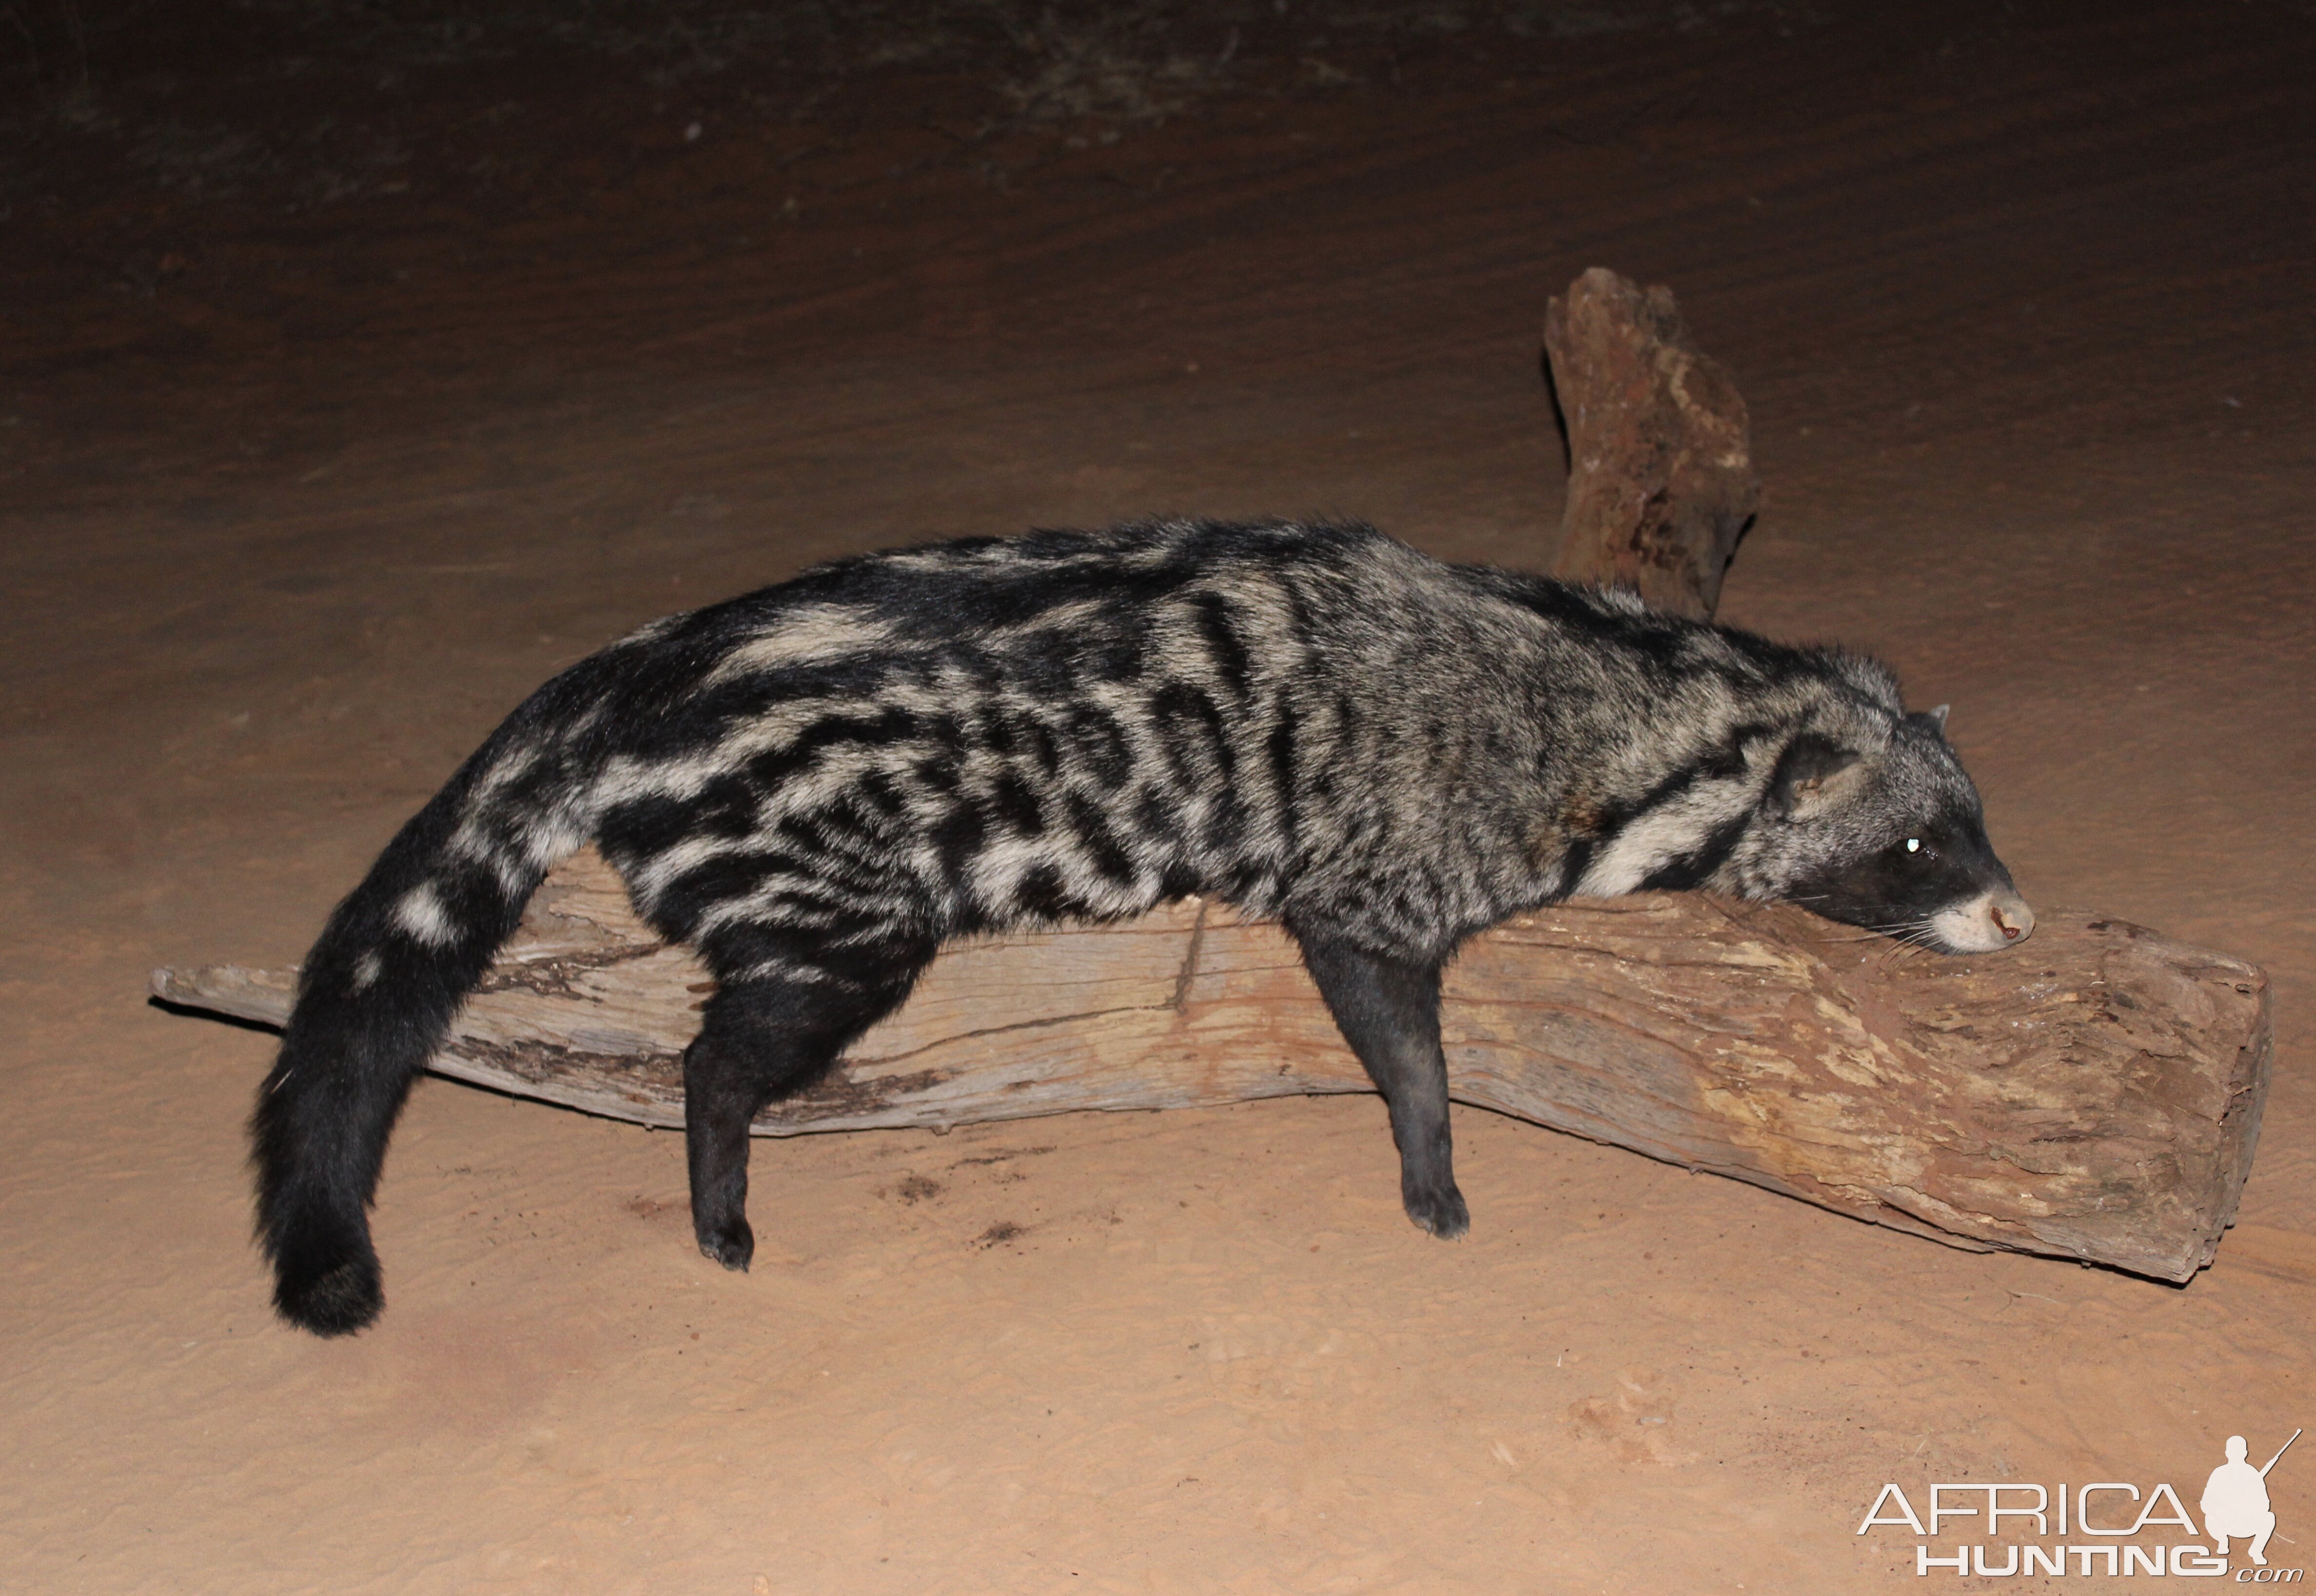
(1100, 844)
(774, 765)
(1230, 655)
(1099, 744)
(1691, 870)
(1011, 800)
(1186, 720)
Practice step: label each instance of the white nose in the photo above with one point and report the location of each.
(2011, 917)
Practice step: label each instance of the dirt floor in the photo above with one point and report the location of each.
(363, 367)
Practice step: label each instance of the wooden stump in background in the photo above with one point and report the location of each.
(1661, 480)
(2094, 1094)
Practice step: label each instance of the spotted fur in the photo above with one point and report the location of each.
(818, 784)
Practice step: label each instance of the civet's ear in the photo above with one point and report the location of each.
(1933, 721)
(1807, 775)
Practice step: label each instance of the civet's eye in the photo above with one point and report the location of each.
(1913, 844)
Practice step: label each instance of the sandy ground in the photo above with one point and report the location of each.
(300, 490)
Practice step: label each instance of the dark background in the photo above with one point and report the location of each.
(360, 365)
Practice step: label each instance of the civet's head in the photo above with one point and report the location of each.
(1876, 823)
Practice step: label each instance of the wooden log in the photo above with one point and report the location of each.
(2094, 1094)
(1661, 482)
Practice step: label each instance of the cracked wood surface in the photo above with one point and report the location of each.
(1660, 483)
(2094, 1094)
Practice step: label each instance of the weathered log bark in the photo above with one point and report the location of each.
(1661, 480)
(2096, 1094)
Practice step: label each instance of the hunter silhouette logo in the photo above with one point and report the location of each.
(2235, 1501)
(2105, 1527)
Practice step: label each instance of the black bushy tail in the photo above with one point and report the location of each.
(375, 1000)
